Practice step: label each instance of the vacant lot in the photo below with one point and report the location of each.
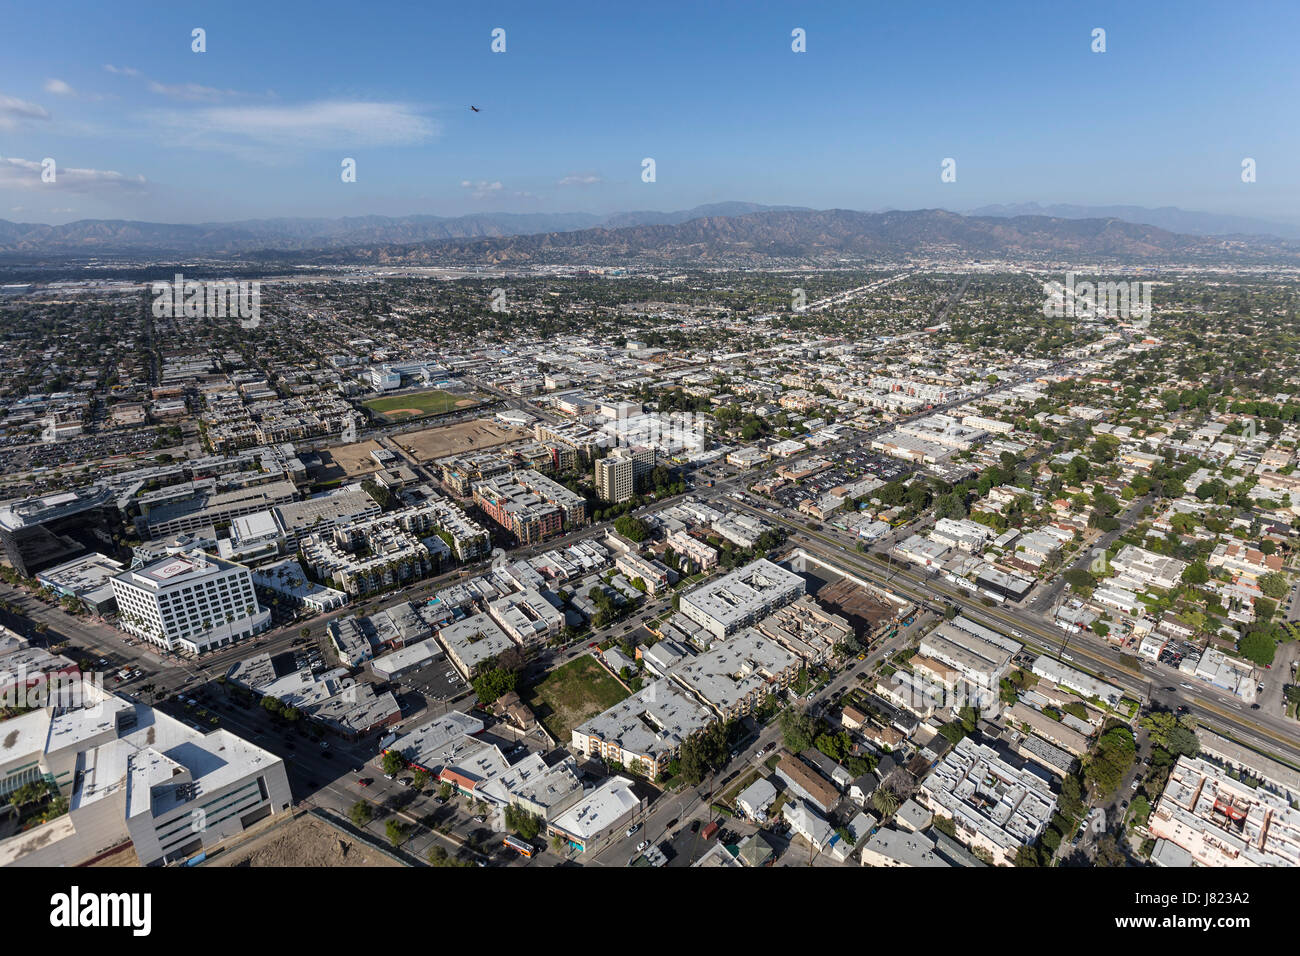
(576, 692)
(305, 841)
(396, 408)
(462, 438)
(348, 461)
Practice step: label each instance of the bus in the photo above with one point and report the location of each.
(519, 846)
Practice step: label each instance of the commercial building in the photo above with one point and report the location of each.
(203, 506)
(35, 531)
(600, 814)
(191, 602)
(132, 773)
(88, 578)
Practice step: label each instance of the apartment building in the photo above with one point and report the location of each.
(1220, 821)
(994, 806)
(693, 549)
(529, 505)
(733, 677)
(615, 478)
(741, 598)
(646, 730)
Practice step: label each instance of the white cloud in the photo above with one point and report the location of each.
(481, 189)
(268, 131)
(26, 174)
(580, 179)
(59, 88)
(13, 109)
(191, 91)
(121, 70)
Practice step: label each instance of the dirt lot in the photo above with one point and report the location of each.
(461, 438)
(348, 461)
(125, 856)
(305, 841)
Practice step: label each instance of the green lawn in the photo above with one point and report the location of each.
(433, 402)
(574, 693)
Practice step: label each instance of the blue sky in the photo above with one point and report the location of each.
(141, 127)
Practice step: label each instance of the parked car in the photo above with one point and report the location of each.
(633, 828)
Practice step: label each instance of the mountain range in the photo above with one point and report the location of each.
(719, 235)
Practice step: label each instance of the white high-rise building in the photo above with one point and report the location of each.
(615, 477)
(192, 602)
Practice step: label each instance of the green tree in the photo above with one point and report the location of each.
(1274, 585)
(494, 682)
(797, 730)
(393, 763)
(396, 831)
(1258, 644)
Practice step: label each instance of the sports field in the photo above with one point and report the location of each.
(396, 408)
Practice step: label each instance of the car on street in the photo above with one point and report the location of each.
(643, 846)
(633, 828)
(365, 781)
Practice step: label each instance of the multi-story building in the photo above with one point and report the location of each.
(1221, 821)
(615, 480)
(703, 555)
(741, 598)
(737, 675)
(645, 731)
(191, 602)
(994, 806)
(529, 505)
(526, 616)
(130, 772)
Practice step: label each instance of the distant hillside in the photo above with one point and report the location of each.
(122, 237)
(724, 234)
(1166, 217)
(762, 238)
